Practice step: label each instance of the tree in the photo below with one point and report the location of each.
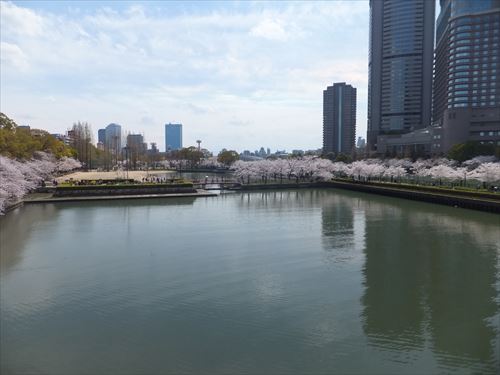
(468, 150)
(20, 177)
(191, 155)
(343, 158)
(23, 143)
(227, 157)
(81, 135)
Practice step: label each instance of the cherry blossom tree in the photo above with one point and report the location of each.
(20, 177)
(427, 171)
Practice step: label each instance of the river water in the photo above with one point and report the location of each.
(307, 281)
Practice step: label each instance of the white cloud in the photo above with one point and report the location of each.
(13, 55)
(20, 21)
(270, 29)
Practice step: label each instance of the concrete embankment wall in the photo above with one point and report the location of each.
(85, 191)
(13, 205)
(461, 199)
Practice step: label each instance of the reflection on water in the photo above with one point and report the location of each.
(305, 281)
(430, 277)
(19, 226)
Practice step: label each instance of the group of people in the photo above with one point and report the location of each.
(157, 180)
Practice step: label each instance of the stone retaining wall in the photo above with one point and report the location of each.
(109, 190)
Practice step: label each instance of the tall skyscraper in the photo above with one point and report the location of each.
(101, 136)
(339, 118)
(173, 137)
(466, 98)
(400, 67)
(114, 138)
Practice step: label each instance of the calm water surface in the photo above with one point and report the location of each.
(310, 281)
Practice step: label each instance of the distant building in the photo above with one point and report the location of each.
(136, 149)
(24, 127)
(400, 67)
(361, 143)
(466, 101)
(61, 137)
(113, 138)
(424, 142)
(154, 149)
(101, 136)
(173, 137)
(339, 118)
(135, 142)
(70, 136)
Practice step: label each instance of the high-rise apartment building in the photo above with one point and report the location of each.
(466, 98)
(339, 118)
(400, 67)
(173, 137)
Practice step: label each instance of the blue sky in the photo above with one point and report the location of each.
(239, 75)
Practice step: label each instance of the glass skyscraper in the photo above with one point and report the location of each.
(101, 136)
(173, 137)
(466, 99)
(400, 67)
(113, 137)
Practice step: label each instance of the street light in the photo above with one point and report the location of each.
(126, 157)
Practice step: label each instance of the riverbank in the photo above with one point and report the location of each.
(488, 202)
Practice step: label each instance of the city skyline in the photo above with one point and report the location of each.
(242, 75)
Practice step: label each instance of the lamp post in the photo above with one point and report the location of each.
(126, 157)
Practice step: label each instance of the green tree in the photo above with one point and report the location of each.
(227, 157)
(343, 158)
(22, 143)
(468, 150)
(191, 155)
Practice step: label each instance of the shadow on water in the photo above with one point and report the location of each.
(431, 276)
(19, 225)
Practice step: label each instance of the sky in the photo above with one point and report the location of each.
(237, 75)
